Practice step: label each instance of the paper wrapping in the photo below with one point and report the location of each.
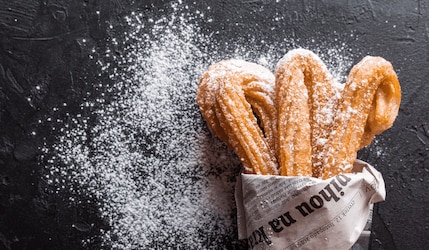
(280, 212)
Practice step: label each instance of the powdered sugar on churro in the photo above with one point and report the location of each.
(160, 178)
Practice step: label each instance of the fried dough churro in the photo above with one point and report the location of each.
(297, 122)
(305, 96)
(230, 93)
(368, 106)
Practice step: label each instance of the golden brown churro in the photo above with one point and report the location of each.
(305, 96)
(369, 104)
(232, 92)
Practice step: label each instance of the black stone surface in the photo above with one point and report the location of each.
(43, 65)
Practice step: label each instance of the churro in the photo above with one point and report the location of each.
(305, 97)
(231, 92)
(368, 106)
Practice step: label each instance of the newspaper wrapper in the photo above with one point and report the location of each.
(280, 212)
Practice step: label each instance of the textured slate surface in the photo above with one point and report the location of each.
(44, 64)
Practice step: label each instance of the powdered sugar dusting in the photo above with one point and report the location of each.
(161, 179)
(147, 158)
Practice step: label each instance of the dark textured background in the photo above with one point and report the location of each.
(40, 45)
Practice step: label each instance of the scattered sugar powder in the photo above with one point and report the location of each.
(161, 179)
(160, 176)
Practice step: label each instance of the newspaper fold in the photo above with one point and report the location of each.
(280, 212)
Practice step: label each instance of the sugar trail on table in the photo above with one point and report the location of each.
(161, 178)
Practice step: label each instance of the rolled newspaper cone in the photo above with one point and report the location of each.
(280, 212)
